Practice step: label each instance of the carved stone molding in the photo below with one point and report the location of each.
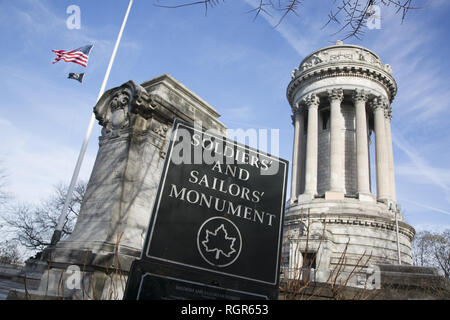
(342, 60)
(388, 112)
(115, 108)
(329, 56)
(360, 95)
(378, 103)
(340, 53)
(335, 94)
(297, 110)
(311, 101)
(381, 78)
(404, 228)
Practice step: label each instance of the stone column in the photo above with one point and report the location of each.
(337, 146)
(301, 170)
(312, 104)
(362, 147)
(296, 155)
(381, 152)
(388, 117)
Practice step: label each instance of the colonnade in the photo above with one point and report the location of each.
(305, 169)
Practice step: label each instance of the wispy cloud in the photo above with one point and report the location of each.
(427, 207)
(36, 22)
(432, 227)
(35, 165)
(302, 42)
(423, 87)
(427, 171)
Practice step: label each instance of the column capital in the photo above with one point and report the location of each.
(336, 94)
(388, 112)
(360, 95)
(311, 101)
(378, 103)
(297, 109)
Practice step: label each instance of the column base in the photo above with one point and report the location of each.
(367, 197)
(334, 195)
(305, 197)
(384, 200)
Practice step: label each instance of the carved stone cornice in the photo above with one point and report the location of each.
(341, 61)
(335, 94)
(342, 71)
(360, 95)
(367, 221)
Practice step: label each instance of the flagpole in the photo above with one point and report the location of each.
(63, 217)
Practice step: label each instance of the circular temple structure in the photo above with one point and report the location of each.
(341, 97)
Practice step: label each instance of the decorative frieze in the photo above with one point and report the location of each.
(340, 53)
(298, 220)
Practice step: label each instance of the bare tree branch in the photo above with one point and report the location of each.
(354, 14)
(33, 225)
(432, 249)
(205, 3)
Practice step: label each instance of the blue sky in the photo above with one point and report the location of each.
(240, 66)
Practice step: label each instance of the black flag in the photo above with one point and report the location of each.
(76, 76)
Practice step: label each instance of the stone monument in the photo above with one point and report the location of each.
(136, 121)
(341, 99)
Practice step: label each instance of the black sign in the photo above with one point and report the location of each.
(218, 213)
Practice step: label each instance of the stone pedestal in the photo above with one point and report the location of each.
(115, 213)
(367, 197)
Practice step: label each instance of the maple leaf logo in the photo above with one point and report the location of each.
(220, 242)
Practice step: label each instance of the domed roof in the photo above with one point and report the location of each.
(342, 53)
(343, 60)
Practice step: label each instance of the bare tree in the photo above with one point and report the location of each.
(432, 249)
(4, 195)
(33, 225)
(9, 253)
(351, 15)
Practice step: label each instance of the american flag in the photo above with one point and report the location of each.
(80, 55)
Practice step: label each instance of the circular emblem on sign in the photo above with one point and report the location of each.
(219, 241)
